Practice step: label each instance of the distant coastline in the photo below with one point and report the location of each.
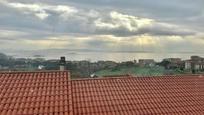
(97, 55)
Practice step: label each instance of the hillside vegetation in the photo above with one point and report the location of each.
(137, 71)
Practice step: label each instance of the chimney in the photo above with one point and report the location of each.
(62, 63)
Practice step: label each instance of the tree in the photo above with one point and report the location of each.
(165, 64)
(4, 59)
(3, 56)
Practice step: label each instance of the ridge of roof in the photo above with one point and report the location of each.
(44, 71)
(139, 77)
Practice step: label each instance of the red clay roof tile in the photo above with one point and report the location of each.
(54, 93)
(148, 95)
(28, 93)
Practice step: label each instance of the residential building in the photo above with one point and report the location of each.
(187, 64)
(146, 62)
(174, 63)
(173, 60)
(54, 93)
(195, 63)
(196, 58)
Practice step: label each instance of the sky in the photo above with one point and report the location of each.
(110, 25)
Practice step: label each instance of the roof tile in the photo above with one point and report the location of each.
(35, 93)
(54, 93)
(148, 95)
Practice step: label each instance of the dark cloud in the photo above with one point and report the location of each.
(81, 22)
(44, 19)
(158, 7)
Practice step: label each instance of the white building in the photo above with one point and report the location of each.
(187, 64)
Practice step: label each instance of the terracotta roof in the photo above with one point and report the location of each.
(35, 93)
(54, 93)
(131, 96)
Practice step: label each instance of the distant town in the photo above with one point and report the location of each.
(141, 67)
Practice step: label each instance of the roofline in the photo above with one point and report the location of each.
(125, 77)
(103, 78)
(44, 71)
(176, 75)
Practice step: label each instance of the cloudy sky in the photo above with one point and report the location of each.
(127, 25)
